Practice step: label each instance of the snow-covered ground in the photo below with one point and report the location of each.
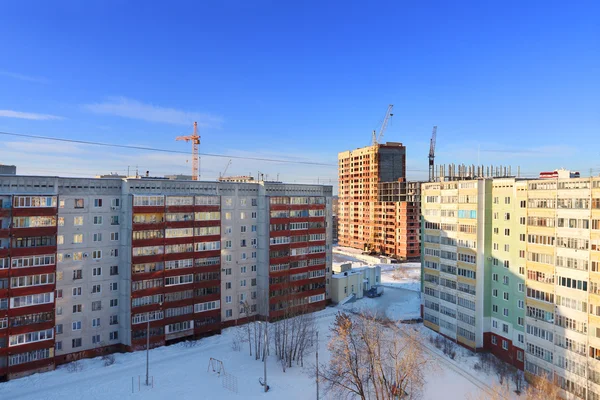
(405, 275)
(181, 372)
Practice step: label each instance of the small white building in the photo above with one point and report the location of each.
(347, 281)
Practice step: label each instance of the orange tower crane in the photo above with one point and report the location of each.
(195, 139)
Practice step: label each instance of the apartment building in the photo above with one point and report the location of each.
(534, 277)
(90, 266)
(378, 209)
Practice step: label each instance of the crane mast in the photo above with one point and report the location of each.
(432, 155)
(388, 116)
(195, 139)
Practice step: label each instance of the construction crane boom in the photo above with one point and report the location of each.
(388, 116)
(226, 168)
(432, 155)
(195, 139)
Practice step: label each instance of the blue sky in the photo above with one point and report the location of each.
(301, 80)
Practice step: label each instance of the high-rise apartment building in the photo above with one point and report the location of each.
(375, 212)
(511, 266)
(89, 266)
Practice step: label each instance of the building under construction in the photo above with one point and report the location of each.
(378, 209)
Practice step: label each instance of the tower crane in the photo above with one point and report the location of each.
(195, 139)
(432, 155)
(388, 116)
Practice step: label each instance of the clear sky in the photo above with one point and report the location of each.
(303, 80)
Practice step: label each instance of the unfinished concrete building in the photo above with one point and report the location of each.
(369, 219)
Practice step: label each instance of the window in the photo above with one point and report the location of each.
(97, 271)
(76, 343)
(521, 304)
(243, 228)
(114, 335)
(77, 308)
(58, 345)
(505, 280)
(116, 202)
(521, 287)
(97, 305)
(97, 237)
(97, 254)
(59, 310)
(98, 220)
(228, 299)
(243, 283)
(95, 322)
(59, 329)
(78, 203)
(506, 232)
(76, 291)
(228, 313)
(114, 220)
(78, 238)
(114, 302)
(60, 239)
(114, 236)
(505, 295)
(227, 285)
(494, 340)
(505, 312)
(114, 286)
(495, 292)
(114, 270)
(76, 325)
(243, 270)
(97, 202)
(113, 320)
(504, 344)
(96, 339)
(495, 277)
(495, 308)
(520, 321)
(96, 288)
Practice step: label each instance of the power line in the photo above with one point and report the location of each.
(124, 146)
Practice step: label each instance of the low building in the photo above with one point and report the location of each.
(347, 281)
(8, 169)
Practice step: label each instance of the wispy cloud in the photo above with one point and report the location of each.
(36, 79)
(129, 108)
(27, 115)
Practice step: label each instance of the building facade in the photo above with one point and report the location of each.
(378, 210)
(91, 266)
(525, 286)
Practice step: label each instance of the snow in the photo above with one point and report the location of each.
(405, 275)
(180, 371)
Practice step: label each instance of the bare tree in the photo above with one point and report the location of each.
(239, 338)
(293, 336)
(372, 360)
(518, 378)
(75, 364)
(542, 388)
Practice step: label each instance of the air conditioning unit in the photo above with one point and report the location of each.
(85, 255)
(255, 246)
(67, 256)
(114, 208)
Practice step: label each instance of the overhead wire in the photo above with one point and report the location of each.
(132, 147)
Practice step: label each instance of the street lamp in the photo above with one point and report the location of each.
(265, 355)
